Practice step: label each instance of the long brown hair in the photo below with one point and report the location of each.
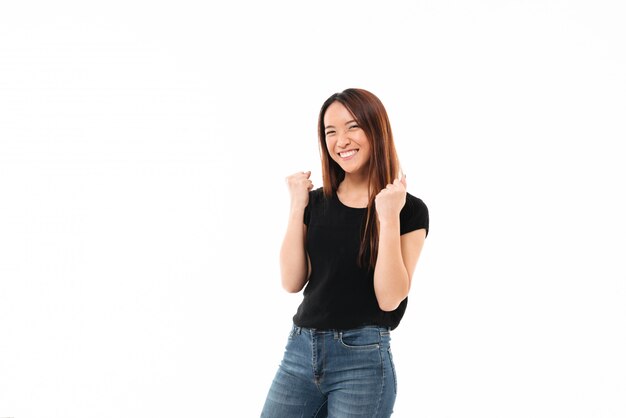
(371, 116)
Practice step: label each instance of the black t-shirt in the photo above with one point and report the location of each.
(339, 294)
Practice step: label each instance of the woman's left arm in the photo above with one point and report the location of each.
(397, 255)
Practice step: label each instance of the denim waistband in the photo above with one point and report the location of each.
(383, 330)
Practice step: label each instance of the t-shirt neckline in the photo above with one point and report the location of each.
(336, 196)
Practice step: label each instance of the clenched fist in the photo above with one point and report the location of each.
(299, 186)
(391, 200)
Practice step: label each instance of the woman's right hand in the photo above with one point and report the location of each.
(299, 186)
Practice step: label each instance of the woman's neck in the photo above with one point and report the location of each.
(353, 190)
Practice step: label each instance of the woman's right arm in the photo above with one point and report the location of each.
(294, 263)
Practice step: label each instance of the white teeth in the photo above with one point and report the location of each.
(347, 154)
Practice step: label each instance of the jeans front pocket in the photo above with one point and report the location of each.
(360, 339)
(294, 331)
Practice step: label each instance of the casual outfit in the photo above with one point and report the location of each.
(338, 361)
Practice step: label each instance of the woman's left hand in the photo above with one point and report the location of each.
(391, 200)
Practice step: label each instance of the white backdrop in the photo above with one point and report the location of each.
(143, 150)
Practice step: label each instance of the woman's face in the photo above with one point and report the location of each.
(346, 142)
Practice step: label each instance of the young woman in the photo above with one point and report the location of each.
(354, 243)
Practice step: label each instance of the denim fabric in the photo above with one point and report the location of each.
(334, 373)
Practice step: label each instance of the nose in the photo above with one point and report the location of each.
(342, 139)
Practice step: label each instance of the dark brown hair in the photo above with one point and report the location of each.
(371, 116)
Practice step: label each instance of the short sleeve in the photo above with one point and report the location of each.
(314, 196)
(414, 215)
(307, 212)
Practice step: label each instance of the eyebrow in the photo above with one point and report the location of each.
(331, 126)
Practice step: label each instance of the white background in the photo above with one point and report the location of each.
(143, 150)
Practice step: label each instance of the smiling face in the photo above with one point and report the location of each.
(346, 142)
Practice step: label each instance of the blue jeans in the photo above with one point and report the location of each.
(334, 373)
